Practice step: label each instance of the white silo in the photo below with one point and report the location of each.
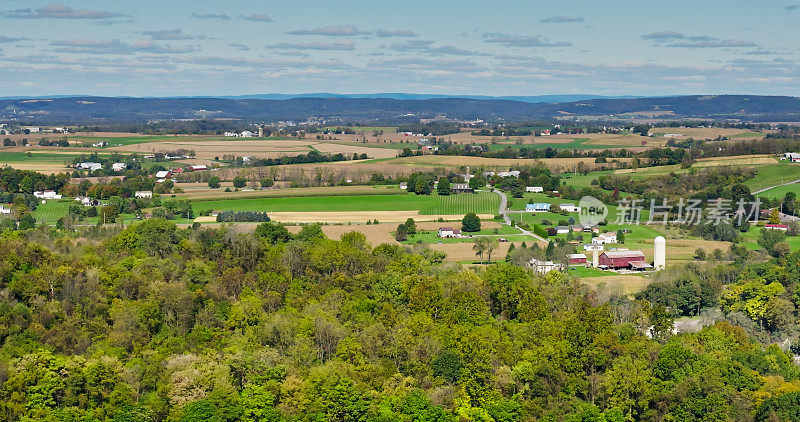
(595, 256)
(660, 254)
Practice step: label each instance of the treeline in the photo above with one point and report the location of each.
(156, 323)
(433, 128)
(310, 157)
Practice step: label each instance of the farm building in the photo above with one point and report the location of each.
(199, 167)
(163, 174)
(88, 165)
(534, 189)
(143, 194)
(576, 259)
(562, 229)
(449, 232)
(48, 194)
(544, 267)
(605, 238)
(593, 246)
(461, 188)
(792, 156)
(620, 259)
(4, 210)
(781, 227)
(118, 166)
(537, 207)
(569, 208)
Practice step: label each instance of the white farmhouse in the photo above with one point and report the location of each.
(605, 238)
(4, 210)
(118, 166)
(534, 189)
(143, 194)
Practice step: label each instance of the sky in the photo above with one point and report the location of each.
(500, 48)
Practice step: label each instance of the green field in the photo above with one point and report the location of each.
(781, 191)
(8, 157)
(51, 211)
(480, 203)
(773, 174)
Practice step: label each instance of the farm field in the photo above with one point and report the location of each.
(781, 191)
(774, 174)
(481, 203)
(201, 192)
(708, 133)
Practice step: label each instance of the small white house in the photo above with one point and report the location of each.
(247, 134)
(84, 200)
(569, 208)
(534, 189)
(48, 194)
(605, 238)
(163, 174)
(449, 232)
(4, 210)
(562, 229)
(118, 166)
(143, 194)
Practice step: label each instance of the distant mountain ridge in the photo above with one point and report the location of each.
(78, 110)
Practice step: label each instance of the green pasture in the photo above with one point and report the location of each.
(9, 157)
(480, 203)
(773, 174)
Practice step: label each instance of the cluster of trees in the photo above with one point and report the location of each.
(723, 182)
(152, 322)
(310, 157)
(27, 182)
(242, 217)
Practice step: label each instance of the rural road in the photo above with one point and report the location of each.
(504, 212)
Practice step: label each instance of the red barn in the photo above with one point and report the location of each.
(577, 259)
(620, 259)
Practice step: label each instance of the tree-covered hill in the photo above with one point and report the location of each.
(157, 323)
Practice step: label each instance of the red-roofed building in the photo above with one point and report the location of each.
(620, 259)
(781, 227)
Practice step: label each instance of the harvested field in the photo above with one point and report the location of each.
(617, 284)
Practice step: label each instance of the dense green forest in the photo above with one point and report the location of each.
(154, 322)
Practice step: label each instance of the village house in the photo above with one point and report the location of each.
(576, 228)
(534, 189)
(537, 207)
(163, 174)
(781, 227)
(576, 259)
(4, 210)
(143, 194)
(605, 238)
(593, 246)
(118, 166)
(562, 229)
(84, 200)
(622, 260)
(544, 267)
(449, 232)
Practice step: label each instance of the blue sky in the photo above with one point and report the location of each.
(512, 47)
